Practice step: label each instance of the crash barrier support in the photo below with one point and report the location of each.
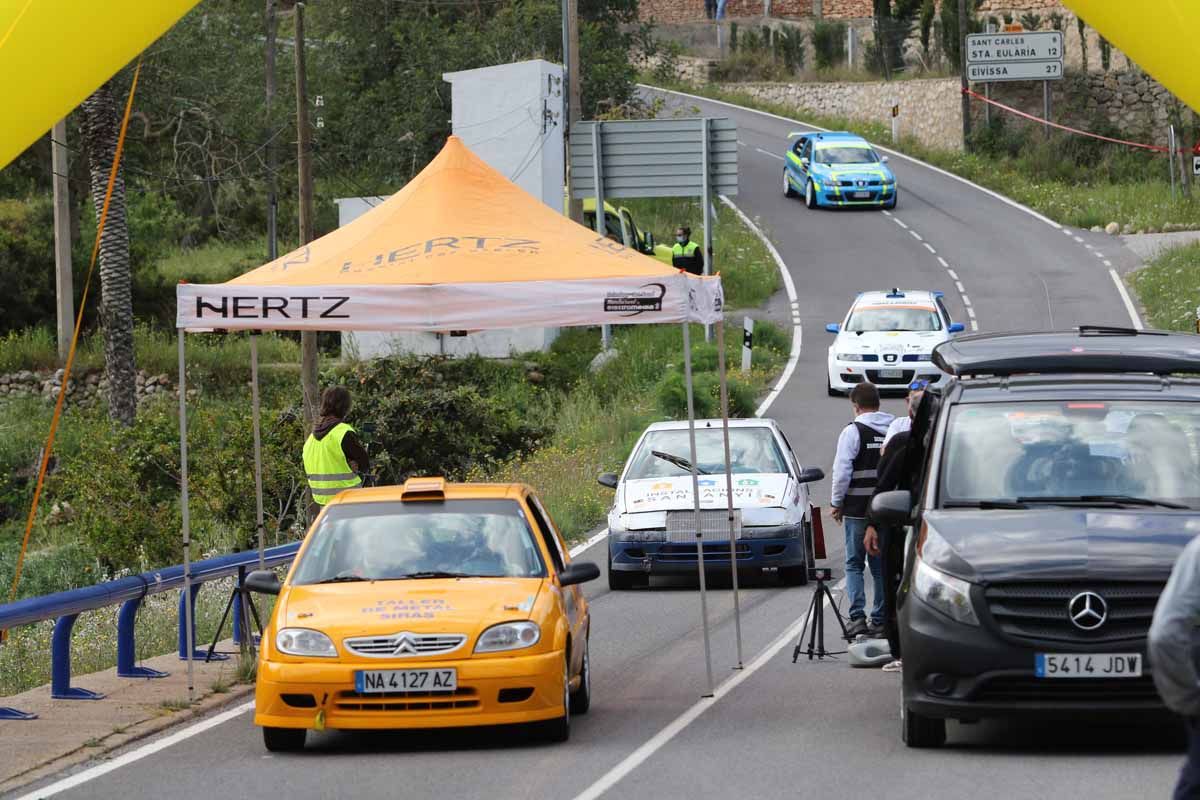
(65, 607)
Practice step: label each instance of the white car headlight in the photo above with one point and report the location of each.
(304, 642)
(850, 357)
(945, 593)
(924, 356)
(508, 636)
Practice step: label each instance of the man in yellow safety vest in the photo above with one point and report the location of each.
(686, 253)
(333, 456)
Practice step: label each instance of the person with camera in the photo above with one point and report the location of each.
(855, 472)
(885, 541)
(334, 458)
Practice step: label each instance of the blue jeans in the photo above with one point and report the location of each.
(856, 555)
(1188, 787)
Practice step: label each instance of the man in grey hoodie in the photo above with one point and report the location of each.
(855, 471)
(1173, 648)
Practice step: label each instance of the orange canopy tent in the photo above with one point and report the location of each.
(459, 248)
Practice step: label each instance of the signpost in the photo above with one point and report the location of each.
(1016, 56)
(1196, 166)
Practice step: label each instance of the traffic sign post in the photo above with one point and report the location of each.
(1196, 166)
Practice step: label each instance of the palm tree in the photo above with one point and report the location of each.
(100, 127)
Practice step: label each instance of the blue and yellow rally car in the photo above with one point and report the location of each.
(837, 169)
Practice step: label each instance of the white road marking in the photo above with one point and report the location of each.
(958, 285)
(1107, 263)
(790, 288)
(898, 222)
(916, 236)
(772, 155)
(970, 312)
(677, 725)
(579, 548)
(1133, 314)
(966, 300)
(929, 247)
(1006, 200)
(887, 213)
(953, 275)
(1098, 254)
(1078, 239)
(943, 262)
(80, 778)
(974, 325)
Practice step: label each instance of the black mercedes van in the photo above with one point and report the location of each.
(1059, 479)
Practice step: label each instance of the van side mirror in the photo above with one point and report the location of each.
(608, 479)
(811, 475)
(263, 581)
(833, 327)
(892, 508)
(804, 162)
(578, 572)
(957, 327)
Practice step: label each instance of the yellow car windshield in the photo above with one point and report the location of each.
(408, 541)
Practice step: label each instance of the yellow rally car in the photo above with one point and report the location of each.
(427, 605)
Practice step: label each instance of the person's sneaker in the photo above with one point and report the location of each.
(855, 627)
(893, 666)
(875, 630)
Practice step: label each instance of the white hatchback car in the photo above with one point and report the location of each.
(887, 339)
(651, 527)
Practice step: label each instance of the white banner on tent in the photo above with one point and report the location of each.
(450, 306)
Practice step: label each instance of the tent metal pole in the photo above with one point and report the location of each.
(687, 372)
(258, 481)
(189, 623)
(601, 221)
(737, 609)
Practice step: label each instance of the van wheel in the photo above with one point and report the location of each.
(619, 581)
(284, 740)
(794, 576)
(920, 731)
(829, 387)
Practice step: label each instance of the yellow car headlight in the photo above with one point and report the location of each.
(304, 642)
(508, 636)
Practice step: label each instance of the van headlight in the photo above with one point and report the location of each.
(508, 636)
(304, 642)
(944, 593)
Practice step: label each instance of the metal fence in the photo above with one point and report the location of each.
(65, 607)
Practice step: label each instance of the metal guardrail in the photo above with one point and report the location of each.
(65, 607)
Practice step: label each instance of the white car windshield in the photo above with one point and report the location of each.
(846, 155)
(399, 541)
(750, 450)
(1026, 451)
(870, 319)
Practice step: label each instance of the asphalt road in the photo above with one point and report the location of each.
(784, 730)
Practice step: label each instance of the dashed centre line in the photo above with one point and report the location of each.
(916, 236)
(929, 247)
(958, 284)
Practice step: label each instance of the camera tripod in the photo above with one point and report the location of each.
(814, 624)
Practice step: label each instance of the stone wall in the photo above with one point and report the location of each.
(1129, 102)
(85, 390)
(930, 110)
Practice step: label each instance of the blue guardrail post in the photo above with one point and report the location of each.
(60, 663)
(198, 653)
(126, 651)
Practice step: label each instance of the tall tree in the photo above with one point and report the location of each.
(100, 128)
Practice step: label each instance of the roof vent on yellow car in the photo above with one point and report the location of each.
(424, 489)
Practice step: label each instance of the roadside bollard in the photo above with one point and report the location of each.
(748, 342)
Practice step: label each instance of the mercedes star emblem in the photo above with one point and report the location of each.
(1088, 611)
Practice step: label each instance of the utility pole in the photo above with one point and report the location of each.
(272, 155)
(64, 285)
(308, 339)
(570, 12)
(962, 65)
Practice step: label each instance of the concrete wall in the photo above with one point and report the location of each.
(930, 110)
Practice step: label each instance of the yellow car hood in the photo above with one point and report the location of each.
(441, 605)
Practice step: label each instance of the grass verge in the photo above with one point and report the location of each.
(1169, 288)
(1100, 184)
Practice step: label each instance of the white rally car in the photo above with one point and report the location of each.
(887, 339)
(651, 527)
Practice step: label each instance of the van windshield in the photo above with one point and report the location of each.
(1125, 452)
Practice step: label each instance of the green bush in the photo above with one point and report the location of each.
(829, 43)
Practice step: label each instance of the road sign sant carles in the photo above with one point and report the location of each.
(1015, 56)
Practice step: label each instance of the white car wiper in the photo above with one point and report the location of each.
(678, 461)
(1117, 499)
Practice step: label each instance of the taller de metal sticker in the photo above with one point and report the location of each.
(1015, 56)
(653, 158)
